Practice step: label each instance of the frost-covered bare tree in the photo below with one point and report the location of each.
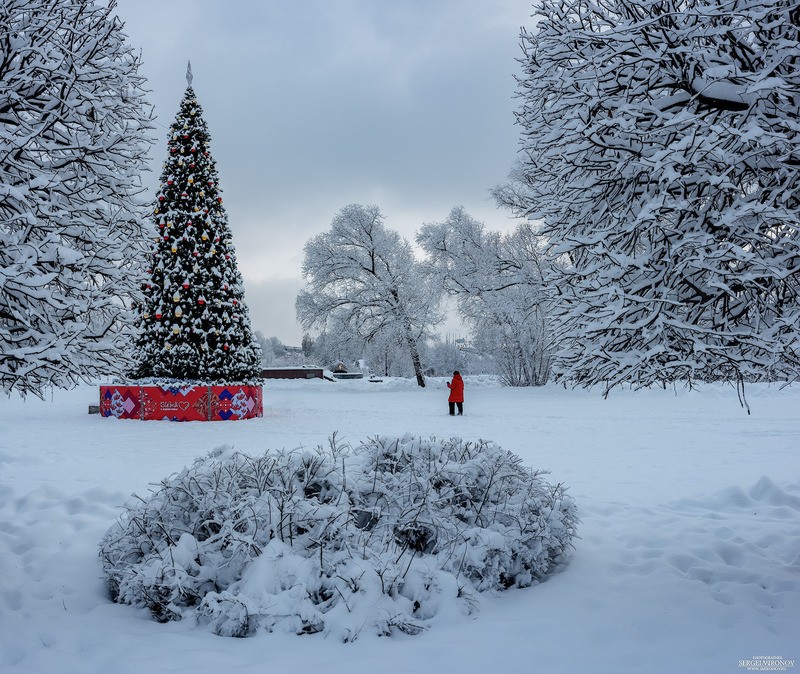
(661, 151)
(73, 141)
(336, 344)
(443, 356)
(498, 283)
(385, 353)
(388, 355)
(271, 348)
(364, 275)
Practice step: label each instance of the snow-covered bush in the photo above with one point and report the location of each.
(384, 536)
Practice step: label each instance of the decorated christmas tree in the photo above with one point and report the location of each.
(195, 325)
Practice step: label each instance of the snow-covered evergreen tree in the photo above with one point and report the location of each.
(74, 132)
(661, 150)
(362, 275)
(195, 324)
(498, 282)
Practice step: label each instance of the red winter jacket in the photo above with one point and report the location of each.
(456, 389)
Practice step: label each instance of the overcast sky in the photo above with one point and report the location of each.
(316, 104)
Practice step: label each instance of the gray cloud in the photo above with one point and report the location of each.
(316, 104)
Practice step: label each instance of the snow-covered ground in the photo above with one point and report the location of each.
(688, 561)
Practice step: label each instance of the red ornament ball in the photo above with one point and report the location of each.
(158, 316)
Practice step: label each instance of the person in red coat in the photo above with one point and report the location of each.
(456, 394)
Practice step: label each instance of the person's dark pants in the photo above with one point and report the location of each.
(453, 408)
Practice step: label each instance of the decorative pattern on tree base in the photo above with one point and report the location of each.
(182, 403)
(122, 402)
(234, 402)
(188, 403)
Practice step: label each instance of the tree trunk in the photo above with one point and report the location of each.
(412, 347)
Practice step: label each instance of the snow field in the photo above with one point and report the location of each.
(687, 558)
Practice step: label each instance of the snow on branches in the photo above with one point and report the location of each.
(661, 151)
(74, 129)
(382, 537)
(195, 323)
(362, 275)
(498, 281)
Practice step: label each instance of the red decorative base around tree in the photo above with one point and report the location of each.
(181, 403)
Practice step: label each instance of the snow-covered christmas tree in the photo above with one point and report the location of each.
(195, 325)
